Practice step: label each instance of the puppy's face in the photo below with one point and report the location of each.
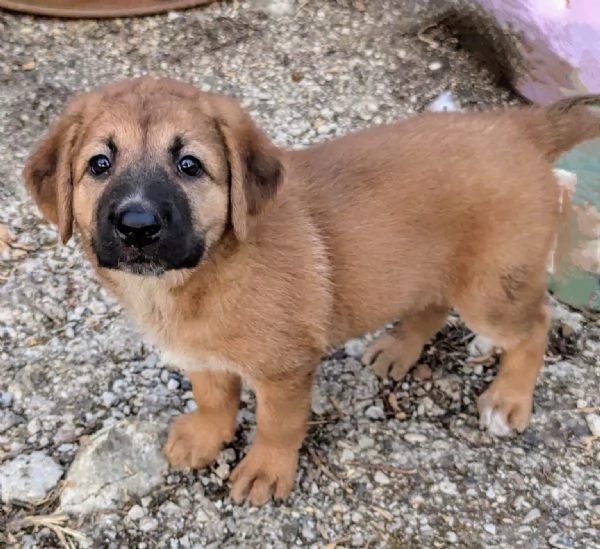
(154, 173)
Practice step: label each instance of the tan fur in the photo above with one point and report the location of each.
(402, 221)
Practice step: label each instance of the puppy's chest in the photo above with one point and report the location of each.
(187, 344)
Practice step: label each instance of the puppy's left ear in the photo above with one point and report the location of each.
(255, 164)
(47, 171)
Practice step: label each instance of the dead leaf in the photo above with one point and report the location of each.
(6, 237)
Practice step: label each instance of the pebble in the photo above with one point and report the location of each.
(148, 524)
(435, 66)
(381, 478)
(29, 477)
(532, 516)
(172, 384)
(6, 399)
(355, 347)
(109, 399)
(415, 438)
(451, 537)
(448, 488)
(490, 528)
(490, 493)
(593, 421)
(560, 541)
(190, 406)
(357, 540)
(374, 412)
(422, 372)
(222, 471)
(480, 346)
(28, 66)
(365, 442)
(136, 512)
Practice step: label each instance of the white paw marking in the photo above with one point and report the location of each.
(495, 422)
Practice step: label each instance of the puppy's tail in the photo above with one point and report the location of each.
(566, 123)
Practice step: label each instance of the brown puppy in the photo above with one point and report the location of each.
(241, 260)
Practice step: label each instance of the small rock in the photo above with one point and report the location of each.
(365, 442)
(422, 372)
(222, 471)
(532, 516)
(136, 513)
(6, 399)
(451, 537)
(34, 426)
(490, 493)
(190, 406)
(308, 533)
(435, 66)
(148, 524)
(347, 455)
(448, 488)
(8, 420)
(118, 462)
(355, 347)
(28, 66)
(480, 346)
(593, 421)
(357, 540)
(98, 307)
(381, 478)
(29, 477)
(444, 102)
(202, 516)
(560, 541)
(374, 412)
(415, 438)
(172, 384)
(490, 528)
(109, 399)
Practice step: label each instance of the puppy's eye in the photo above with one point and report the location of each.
(99, 165)
(190, 166)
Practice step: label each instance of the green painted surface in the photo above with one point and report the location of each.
(576, 286)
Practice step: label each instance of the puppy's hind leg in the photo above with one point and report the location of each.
(518, 322)
(396, 352)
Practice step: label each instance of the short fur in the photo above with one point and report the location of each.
(307, 248)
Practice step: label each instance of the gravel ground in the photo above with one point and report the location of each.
(385, 465)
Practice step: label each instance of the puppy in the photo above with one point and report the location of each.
(244, 261)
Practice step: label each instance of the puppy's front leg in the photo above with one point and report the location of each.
(283, 407)
(195, 439)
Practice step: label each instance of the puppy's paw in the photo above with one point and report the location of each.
(392, 355)
(195, 441)
(262, 474)
(503, 410)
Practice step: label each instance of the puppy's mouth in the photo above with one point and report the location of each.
(151, 261)
(134, 261)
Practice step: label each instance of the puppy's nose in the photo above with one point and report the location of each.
(137, 226)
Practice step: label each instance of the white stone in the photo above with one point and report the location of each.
(415, 438)
(29, 477)
(593, 421)
(118, 462)
(381, 478)
(136, 512)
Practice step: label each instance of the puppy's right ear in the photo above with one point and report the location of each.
(47, 171)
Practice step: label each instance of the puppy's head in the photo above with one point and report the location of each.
(154, 173)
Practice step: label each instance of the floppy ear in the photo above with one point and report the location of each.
(47, 171)
(255, 168)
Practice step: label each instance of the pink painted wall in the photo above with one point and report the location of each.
(560, 42)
